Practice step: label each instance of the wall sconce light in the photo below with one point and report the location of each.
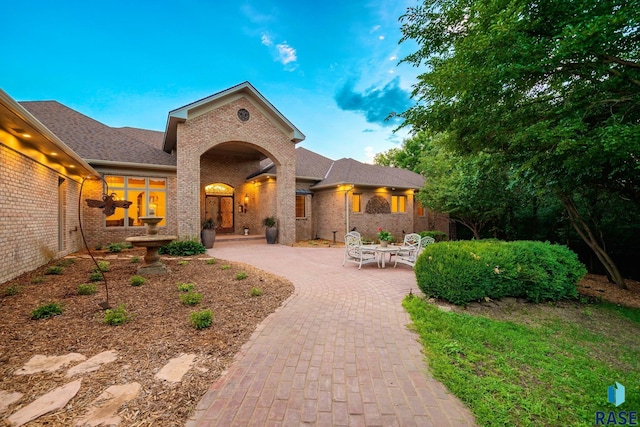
(246, 202)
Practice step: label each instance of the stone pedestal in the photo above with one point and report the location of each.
(152, 241)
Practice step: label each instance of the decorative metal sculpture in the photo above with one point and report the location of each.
(108, 204)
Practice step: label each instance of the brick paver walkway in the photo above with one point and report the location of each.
(337, 352)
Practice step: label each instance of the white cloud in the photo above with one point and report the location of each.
(369, 154)
(380, 37)
(393, 58)
(286, 54)
(281, 52)
(374, 29)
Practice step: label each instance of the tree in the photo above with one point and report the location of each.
(472, 190)
(552, 85)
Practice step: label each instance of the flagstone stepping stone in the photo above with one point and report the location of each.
(175, 369)
(46, 403)
(94, 363)
(7, 398)
(103, 410)
(41, 363)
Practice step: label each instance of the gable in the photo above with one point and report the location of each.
(242, 91)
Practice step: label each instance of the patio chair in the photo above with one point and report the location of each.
(409, 256)
(354, 252)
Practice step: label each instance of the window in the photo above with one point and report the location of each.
(357, 202)
(421, 210)
(398, 204)
(148, 197)
(300, 206)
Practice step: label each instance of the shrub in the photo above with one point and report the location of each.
(87, 289)
(96, 276)
(102, 266)
(241, 275)
(37, 280)
(438, 236)
(118, 247)
(185, 287)
(183, 248)
(465, 271)
(115, 247)
(201, 319)
(47, 310)
(225, 267)
(54, 269)
(65, 262)
(256, 292)
(116, 316)
(211, 261)
(12, 289)
(191, 298)
(137, 281)
(135, 260)
(183, 262)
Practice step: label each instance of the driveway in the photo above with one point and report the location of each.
(337, 353)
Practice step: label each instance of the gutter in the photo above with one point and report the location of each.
(96, 162)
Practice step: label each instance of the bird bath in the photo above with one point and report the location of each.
(152, 241)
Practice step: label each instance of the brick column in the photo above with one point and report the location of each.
(286, 201)
(188, 188)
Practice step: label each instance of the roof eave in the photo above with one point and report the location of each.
(52, 142)
(130, 165)
(322, 186)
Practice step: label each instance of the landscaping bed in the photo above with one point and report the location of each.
(159, 331)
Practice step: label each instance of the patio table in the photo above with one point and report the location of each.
(383, 251)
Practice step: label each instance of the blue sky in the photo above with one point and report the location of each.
(330, 67)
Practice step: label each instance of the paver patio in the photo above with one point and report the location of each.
(336, 353)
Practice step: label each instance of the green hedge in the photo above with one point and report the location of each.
(183, 248)
(465, 271)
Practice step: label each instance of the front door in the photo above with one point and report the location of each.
(220, 208)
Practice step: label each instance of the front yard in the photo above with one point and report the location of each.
(239, 296)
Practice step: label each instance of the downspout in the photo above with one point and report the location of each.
(346, 208)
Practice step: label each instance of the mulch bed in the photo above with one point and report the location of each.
(160, 330)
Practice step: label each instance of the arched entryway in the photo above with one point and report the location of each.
(218, 205)
(228, 137)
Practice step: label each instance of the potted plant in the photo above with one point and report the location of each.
(208, 233)
(384, 236)
(271, 231)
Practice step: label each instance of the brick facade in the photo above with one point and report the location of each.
(207, 129)
(329, 214)
(38, 214)
(93, 220)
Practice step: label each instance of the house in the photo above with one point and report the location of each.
(231, 156)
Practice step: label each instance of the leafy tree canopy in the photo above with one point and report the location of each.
(551, 85)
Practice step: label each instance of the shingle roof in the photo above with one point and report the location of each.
(350, 171)
(93, 140)
(311, 165)
(152, 137)
(329, 173)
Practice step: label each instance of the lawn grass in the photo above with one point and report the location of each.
(534, 370)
